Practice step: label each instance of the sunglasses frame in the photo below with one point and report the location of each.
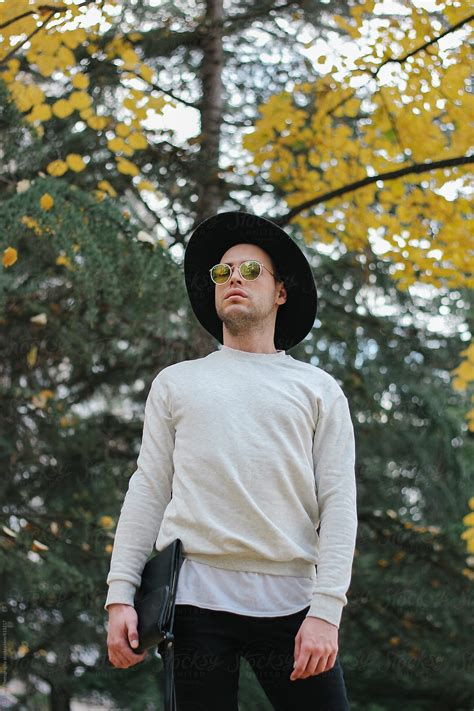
(221, 283)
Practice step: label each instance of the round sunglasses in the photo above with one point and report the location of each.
(250, 270)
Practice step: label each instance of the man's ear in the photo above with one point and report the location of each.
(282, 292)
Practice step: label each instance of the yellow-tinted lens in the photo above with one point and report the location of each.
(250, 270)
(220, 273)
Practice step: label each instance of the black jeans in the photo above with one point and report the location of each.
(207, 649)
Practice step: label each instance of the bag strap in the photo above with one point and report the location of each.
(166, 650)
(166, 647)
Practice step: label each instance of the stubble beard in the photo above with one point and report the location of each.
(237, 322)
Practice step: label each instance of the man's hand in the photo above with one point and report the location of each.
(123, 635)
(315, 648)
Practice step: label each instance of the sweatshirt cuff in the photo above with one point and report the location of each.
(326, 607)
(120, 591)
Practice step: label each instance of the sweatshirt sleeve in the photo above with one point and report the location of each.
(334, 466)
(149, 492)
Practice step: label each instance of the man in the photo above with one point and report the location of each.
(246, 454)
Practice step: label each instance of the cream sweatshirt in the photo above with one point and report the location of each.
(249, 459)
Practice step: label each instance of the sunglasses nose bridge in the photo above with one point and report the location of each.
(236, 266)
(231, 274)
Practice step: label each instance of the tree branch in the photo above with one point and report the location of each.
(41, 10)
(416, 169)
(27, 39)
(400, 60)
(160, 89)
(37, 10)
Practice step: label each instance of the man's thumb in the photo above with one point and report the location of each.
(133, 638)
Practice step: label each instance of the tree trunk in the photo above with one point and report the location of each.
(60, 698)
(211, 113)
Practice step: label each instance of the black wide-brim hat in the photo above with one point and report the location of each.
(214, 235)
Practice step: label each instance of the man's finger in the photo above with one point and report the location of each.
(300, 665)
(318, 666)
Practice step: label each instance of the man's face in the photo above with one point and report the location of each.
(259, 305)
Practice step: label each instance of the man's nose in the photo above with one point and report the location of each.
(235, 271)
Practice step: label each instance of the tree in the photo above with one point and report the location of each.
(70, 279)
(345, 153)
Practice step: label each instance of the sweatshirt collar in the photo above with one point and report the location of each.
(249, 355)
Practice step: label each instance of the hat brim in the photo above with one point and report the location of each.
(214, 235)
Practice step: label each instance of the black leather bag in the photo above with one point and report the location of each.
(155, 605)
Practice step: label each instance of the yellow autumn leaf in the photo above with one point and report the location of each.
(57, 168)
(64, 261)
(62, 108)
(22, 650)
(65, 58)
(21, 95)
(86, 113)
(146, 72)
(46, 202)
(137, 141)
(74, 38)
(106, 187)
(10, 255)
(129, 103)
(127, 150)
(40, 112)
(465, 371)
(35, 94)
(80, 81)
(116, 144)
(13, 66)
(31, 357)
(127, 167)
(146, 185)
(45, 64)
(80, 100)
(106, 522)
(468, 519)
(122, 130)
(98, 123)
(469, 352)
(75, 162)
(130, 57)
(46, 394)
(32, 224)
